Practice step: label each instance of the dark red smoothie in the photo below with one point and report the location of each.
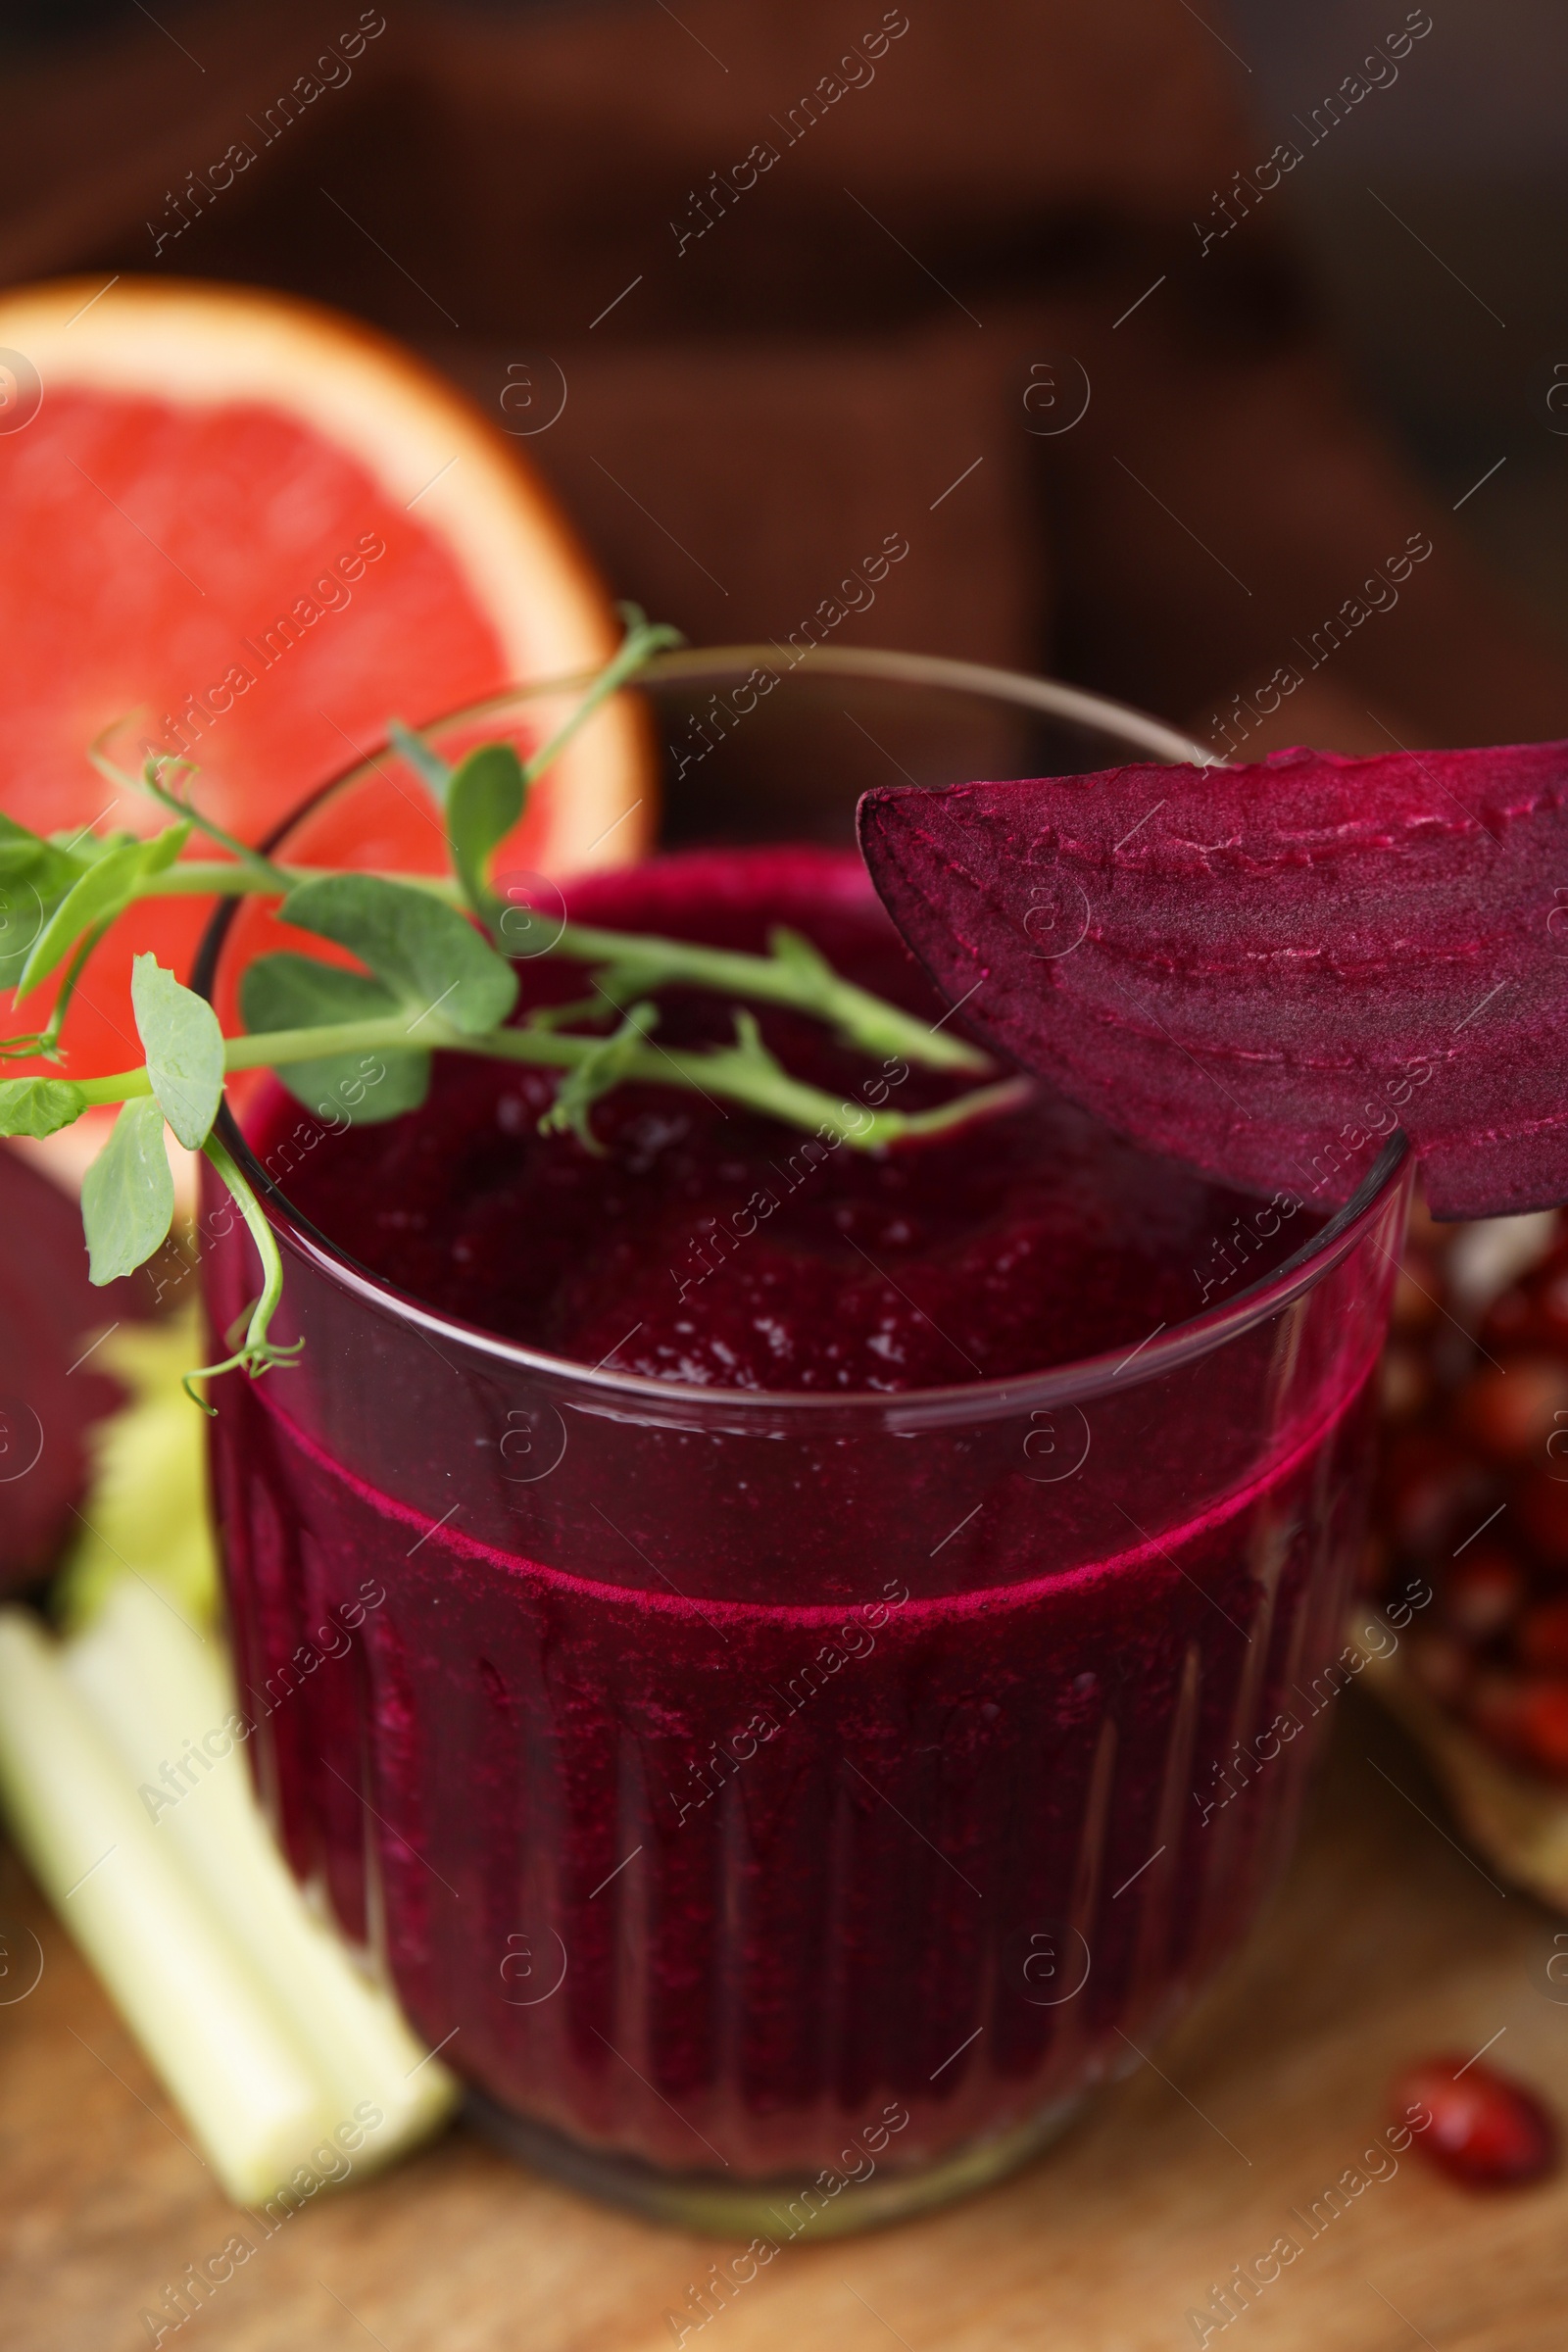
(804, 1722)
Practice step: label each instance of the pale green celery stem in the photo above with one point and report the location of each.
(203, 2021)
(873, 1022)
(158, 1690)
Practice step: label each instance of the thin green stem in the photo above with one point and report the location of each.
(258, 1354)
(49, 1038)
(748, 1075)
(633, 961)
(627, 968)
(223, 878)
(275, 1049)
(743, 1073)
(151, 782)
(805, 982)
(651, 962)
(642, 641)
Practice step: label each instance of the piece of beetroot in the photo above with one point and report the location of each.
(48, 1312)
(1263, 971)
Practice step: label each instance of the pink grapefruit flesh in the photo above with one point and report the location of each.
(253, 532)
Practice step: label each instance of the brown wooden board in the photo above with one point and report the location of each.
(1386, 1943)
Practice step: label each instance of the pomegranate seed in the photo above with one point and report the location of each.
(1487, 2130)
(1542, 1638)
(1524, 1717)
(1553, 1307)
(1543, 1732)
(1510, 1320)
(1482, 1592)
(1507, 1410)
(1541, 1507)
(1496, 1709)
(1427, 1486)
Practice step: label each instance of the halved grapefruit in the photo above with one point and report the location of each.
(256, 531)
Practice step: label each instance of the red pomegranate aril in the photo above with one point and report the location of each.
(1496, 1708)
(1540, 1508)
(1507, 1410)
(1488, 2131)
(1372, 1569)
(1543, 1636)
(1510, 1320)
(1427, 1487)
(1482, 1592)
(1553, 1307)
(1473, 1495)
(1542, 1729)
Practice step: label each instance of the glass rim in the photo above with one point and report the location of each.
(908, 1409)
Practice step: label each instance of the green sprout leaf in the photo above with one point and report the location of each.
(29, 857)
(359, 1043)
(184, 1049)
(297, 991)
(127, 1194)
(38, 1106)
(484, 801)
(19, 849)
(97, 896)
(802, 956)
(432, 958)
(642, 640)
(34, 876)
(598, 1073)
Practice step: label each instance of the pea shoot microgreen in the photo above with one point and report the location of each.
(431, 977)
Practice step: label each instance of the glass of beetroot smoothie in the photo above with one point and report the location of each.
(839, 1637)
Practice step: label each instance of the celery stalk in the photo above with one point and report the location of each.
(158, 1691)
(154, 1943)
(147, 1509)
(251, 2009)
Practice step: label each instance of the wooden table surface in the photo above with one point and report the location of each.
(1387, 1942)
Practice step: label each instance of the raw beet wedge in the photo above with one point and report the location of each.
(48, 1395)
(1264, 970)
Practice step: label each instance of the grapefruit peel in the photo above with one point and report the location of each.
(196, 363)
(1266, 970)
(257, 521)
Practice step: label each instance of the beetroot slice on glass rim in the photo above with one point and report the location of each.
(1264, 970)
